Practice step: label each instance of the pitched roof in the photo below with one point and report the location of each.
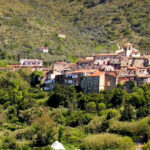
(96, 74)
(110, 54)
(61, 63)
(85, 60)
(132, 68)
(43, 48)
(28, 66)
(123, 79)
(114, 74)
(82, 71)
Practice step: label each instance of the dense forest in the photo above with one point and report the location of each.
(90, 26)
(33, 119)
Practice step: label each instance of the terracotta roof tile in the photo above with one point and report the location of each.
(85, 60)
(97, 73)
(114, 74)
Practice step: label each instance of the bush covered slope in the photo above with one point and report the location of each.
(90, 26)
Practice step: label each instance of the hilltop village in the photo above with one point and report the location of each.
(99, 72)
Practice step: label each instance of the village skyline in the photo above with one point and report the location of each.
(93, 74)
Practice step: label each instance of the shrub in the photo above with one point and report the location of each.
(113, 113)
(91, 107)
(101, 106)
(136, 129)
(94, 125)
(25, 148)
(106, 141)
(146, 146)
(9, 143)
(73, 135)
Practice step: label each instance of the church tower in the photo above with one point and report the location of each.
(127, 49)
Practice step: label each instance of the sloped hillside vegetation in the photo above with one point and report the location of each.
(90, 26)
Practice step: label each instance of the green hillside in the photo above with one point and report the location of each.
(90, 26)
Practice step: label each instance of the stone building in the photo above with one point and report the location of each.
(111, 80)
(73, 78)
(93, 83)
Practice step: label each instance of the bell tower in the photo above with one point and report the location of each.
(127, 49)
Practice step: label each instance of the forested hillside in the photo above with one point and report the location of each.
(90, 26)
(31, 119)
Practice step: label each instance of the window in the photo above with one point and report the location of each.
(89, 84)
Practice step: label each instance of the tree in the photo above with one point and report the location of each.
(25, 73)
(143, 112)
(128, 113)
(63, 96)
(137, 99)
(105, 97)
(118, 97)
(60, 133)
(14, 90)
(76, 118)
(46, 130)
(36, 78)
(81, 100)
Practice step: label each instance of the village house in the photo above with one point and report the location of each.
(111, 80)
(107, 68)
(49, 82)
(73, 78)
(115, 62)
(85, 63)
(103, 71)
(58, 70)
(93, 83)
(132, 71)
(147, 60)
(43, 50)
(145, 79)
(31, 62)
(137, 71)
(31, 67)
(138, 61)
(103, 59)
(138, 80)
(125, 62)
(62, 67)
